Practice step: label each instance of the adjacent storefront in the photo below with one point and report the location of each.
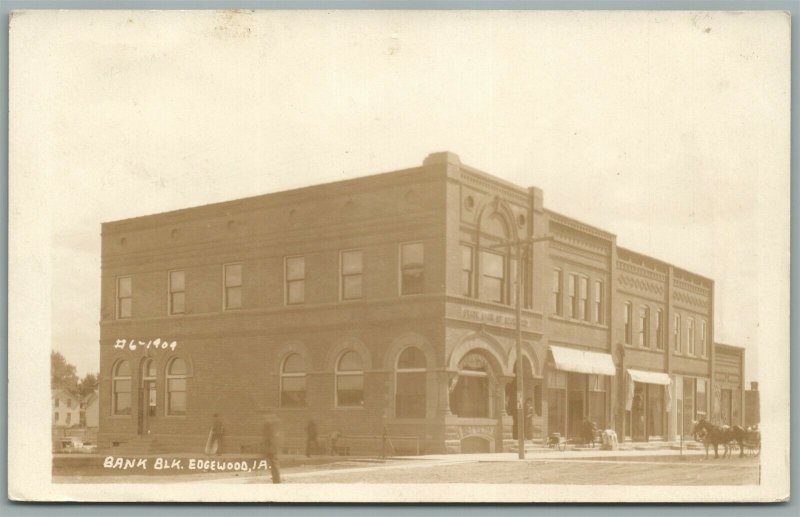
(577, 389)
(647, 404)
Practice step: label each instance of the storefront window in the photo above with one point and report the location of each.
(556, 402)
(702, 398)
(470, 398)
(655, 410)
(410, 384)
(122, 389)
(293, 382)
(349, 381)
(688, 406)
(597, 400)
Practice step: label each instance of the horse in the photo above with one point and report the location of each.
(714, 435)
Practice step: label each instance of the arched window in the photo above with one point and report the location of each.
(121, 388)
(293, 381)
(470, 396)
(349, 380)
(410, 384)
(149, 385)
(177, 372)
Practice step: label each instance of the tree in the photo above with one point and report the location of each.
(62, 374)
(88, 384)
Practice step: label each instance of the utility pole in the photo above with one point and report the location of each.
(518, 252)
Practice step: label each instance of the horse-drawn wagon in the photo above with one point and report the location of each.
(751, 441)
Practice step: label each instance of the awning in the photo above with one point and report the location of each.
(582, 361)
(649, 377)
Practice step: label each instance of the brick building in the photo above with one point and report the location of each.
(389, 300)
(728, 396)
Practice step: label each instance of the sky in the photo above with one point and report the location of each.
(669, 130)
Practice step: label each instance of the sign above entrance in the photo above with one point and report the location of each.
(491, 317)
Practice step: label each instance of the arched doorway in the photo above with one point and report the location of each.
(148, 398)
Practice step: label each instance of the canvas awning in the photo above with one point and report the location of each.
(649, 377)
(581, 361)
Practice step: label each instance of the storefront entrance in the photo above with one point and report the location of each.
(646, 415)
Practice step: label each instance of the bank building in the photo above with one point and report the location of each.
(389, 302)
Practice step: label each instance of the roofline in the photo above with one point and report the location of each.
(735, 347)
(604, 233)
(234, 204)
(667, 264)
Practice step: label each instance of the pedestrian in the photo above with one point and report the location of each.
(334, 445)
(528, 419)
(214, 443)
(270, 446)
(311, 437)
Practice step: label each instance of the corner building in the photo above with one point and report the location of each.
(389, 301)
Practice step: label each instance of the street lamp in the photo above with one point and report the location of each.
(518, 243)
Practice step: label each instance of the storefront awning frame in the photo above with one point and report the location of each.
(582, 361)
(648, 377)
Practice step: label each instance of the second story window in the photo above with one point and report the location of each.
(703, 339)
(493, 277)
(558, 302)
(573, 296)
(690, 336)
(644, 326)
(352, 264)
(628, 315)
(412, 268)
(677, 334)
(233, 286)
(466, 270)
(598, 301)
(177, 292)
(295, 280)
(660, 329)
(124, 297)
(583, 298)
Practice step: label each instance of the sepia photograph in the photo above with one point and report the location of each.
(399, 256)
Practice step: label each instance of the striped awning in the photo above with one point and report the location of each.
(582, 361)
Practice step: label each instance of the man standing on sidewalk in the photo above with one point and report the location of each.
(311, 437)
(270, 446)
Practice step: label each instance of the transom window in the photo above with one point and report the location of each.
(412, 268)
(349, 380)
(177, 372)
(493, 276)
(121, 389)
(177, 292)
(124, 297)
(295, 280)
(233, 286)
(352, 264)
(410, 384)
(293, 382)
